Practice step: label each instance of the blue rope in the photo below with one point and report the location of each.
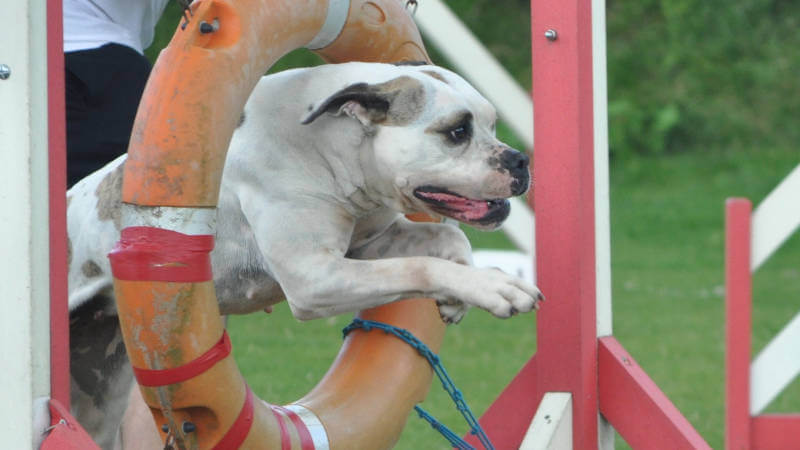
(447, 384)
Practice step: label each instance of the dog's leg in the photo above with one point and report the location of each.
(304, 245)
(99, 370)
(405, 238)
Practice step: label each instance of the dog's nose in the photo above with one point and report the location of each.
(517, 165)
(515, 161)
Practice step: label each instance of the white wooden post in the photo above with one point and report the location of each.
(24, 252)
(772, 222)
(551, 428)
(775, 219)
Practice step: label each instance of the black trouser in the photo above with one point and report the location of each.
(103, 87)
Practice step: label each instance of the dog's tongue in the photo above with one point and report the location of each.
(464, 209)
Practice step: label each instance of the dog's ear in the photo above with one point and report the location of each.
(396, 101)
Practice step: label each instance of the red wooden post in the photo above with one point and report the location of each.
(566, 256)
(59, 322)
(564, 196)
(738, 291)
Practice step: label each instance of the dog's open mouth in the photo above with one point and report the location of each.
(467, 210)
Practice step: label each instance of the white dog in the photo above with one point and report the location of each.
(319, 173)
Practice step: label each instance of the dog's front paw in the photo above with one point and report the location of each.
(499, 293)
(452, 311)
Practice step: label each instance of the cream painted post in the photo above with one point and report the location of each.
(24, 247)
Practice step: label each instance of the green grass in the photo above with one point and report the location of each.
(667, 262)
(714, 107)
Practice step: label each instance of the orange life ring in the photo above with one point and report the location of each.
(167, 307)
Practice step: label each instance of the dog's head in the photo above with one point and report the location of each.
(434, 145)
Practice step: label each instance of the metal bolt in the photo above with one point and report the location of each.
(189, 427)
(206, 27)
(551, 35)
(5, 72)
(165, 428)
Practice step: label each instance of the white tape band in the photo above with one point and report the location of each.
(334, 22)
(192, 221)
(314, 425)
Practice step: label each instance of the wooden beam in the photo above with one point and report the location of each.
(737, 324)
(636, 407)
(564, 195)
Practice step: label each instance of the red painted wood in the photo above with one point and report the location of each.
(59, 320)
(636, 407)
(738, 307)
(509, 416)
(66, 433)
(775, 432)
(564, 197)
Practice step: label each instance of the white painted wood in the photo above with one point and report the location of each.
(520, 226)
(775, 367)
(511, 262)
(775, 219)
(24, 252)
(604, 311)
(606, 435)
(475, 63)
(551, 428)
(601, 189)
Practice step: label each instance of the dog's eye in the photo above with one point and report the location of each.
(460, 133)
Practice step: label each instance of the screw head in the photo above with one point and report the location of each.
(189, 427)
(5, 71)
(206, 27)
(551, 35)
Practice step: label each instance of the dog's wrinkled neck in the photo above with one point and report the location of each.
(348, 162)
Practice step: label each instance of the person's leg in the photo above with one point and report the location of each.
(103, 88)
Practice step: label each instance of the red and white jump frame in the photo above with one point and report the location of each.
(580, 374)
(35, 375)
(578, 361)
(750, 238)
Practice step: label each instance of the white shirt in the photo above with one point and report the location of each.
(93, 23)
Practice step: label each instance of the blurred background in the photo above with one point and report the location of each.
(704, 101)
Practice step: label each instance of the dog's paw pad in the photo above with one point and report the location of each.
(452, 312)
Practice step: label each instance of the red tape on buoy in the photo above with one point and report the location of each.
(306, 441)
(164, 377)
(286, 441)
(156, 254)
(237, 433)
